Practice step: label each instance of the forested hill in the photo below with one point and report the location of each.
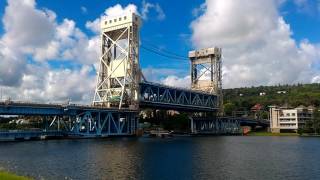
(291, 95)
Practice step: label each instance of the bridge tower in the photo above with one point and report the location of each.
(206, 72)
(119, 70)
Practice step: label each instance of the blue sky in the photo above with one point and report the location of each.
(261, 39)
(173, 33)
(169, 33)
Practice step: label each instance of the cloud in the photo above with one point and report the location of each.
(21, 31)
(53, 85)
(153, 74)
(113, 11)
(29, 47)
(12, 67)
(118, 9)
(146, 6)
(256, 41)
(176, 81)
(29, 44)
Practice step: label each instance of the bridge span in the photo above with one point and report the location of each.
(160, 96)
(122, 90)
(97, 120)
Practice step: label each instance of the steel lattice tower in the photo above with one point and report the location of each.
(119, 70)
(206, 72)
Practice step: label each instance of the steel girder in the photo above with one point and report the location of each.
(156, 95)
(93, 123)
(215, 126)
(77, 120)
(119, 70)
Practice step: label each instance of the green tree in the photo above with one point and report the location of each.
(229, 108)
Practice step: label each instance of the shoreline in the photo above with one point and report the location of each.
(272, 134)
(12, 176)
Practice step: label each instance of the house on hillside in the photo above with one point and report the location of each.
(262, 93)
(257, 109)
(281, 92)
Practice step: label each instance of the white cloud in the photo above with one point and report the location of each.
(113, 11)
(257, 45)
(176, 81)
(28, 44)
(118, 10)
(153, 74)
(34, 31)
(53, 85)
(12, 67)
(146, 6)
(40, 37)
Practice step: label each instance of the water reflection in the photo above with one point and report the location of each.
(176, 158)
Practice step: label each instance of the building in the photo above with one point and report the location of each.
(281, 92)
(285, 119)
(262, 93)
(257, 109)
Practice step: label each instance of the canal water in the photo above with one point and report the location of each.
(228, 157)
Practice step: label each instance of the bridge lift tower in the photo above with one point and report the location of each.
(119, 72)
(206, 72)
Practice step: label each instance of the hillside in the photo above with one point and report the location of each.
(292, 95)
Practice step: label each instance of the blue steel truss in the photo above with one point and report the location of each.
(76, 120)
(216, 126)
(165, 97)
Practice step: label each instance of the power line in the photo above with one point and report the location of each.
(164, 51)
(163, 54)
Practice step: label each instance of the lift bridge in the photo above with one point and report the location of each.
(122, 91)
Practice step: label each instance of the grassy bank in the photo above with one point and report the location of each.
(271, 134)
(9, 176)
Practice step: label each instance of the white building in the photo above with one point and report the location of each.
(262, 93)
(284, 119)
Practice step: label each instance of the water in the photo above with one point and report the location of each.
(230, 157)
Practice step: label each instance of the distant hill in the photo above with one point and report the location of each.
(291, 95)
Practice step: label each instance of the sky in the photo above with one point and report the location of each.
(49, 49)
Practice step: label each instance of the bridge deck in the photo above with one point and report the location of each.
(26, 108)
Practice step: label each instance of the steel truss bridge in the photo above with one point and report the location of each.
(93, 121)
(76, 120)
(122, 91)
(223, 125)
(165, 97)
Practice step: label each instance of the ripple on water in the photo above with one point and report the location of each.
(230, 157)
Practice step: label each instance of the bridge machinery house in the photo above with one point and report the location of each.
(284, 119)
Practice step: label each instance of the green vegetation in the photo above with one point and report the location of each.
(239, 101)
(163, 119)
(9, 176)
(33, 122)
(243, 99)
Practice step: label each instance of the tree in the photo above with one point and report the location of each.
(229, 108)
(316, 120)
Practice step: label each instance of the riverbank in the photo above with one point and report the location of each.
(9, 176)
(271, 134)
